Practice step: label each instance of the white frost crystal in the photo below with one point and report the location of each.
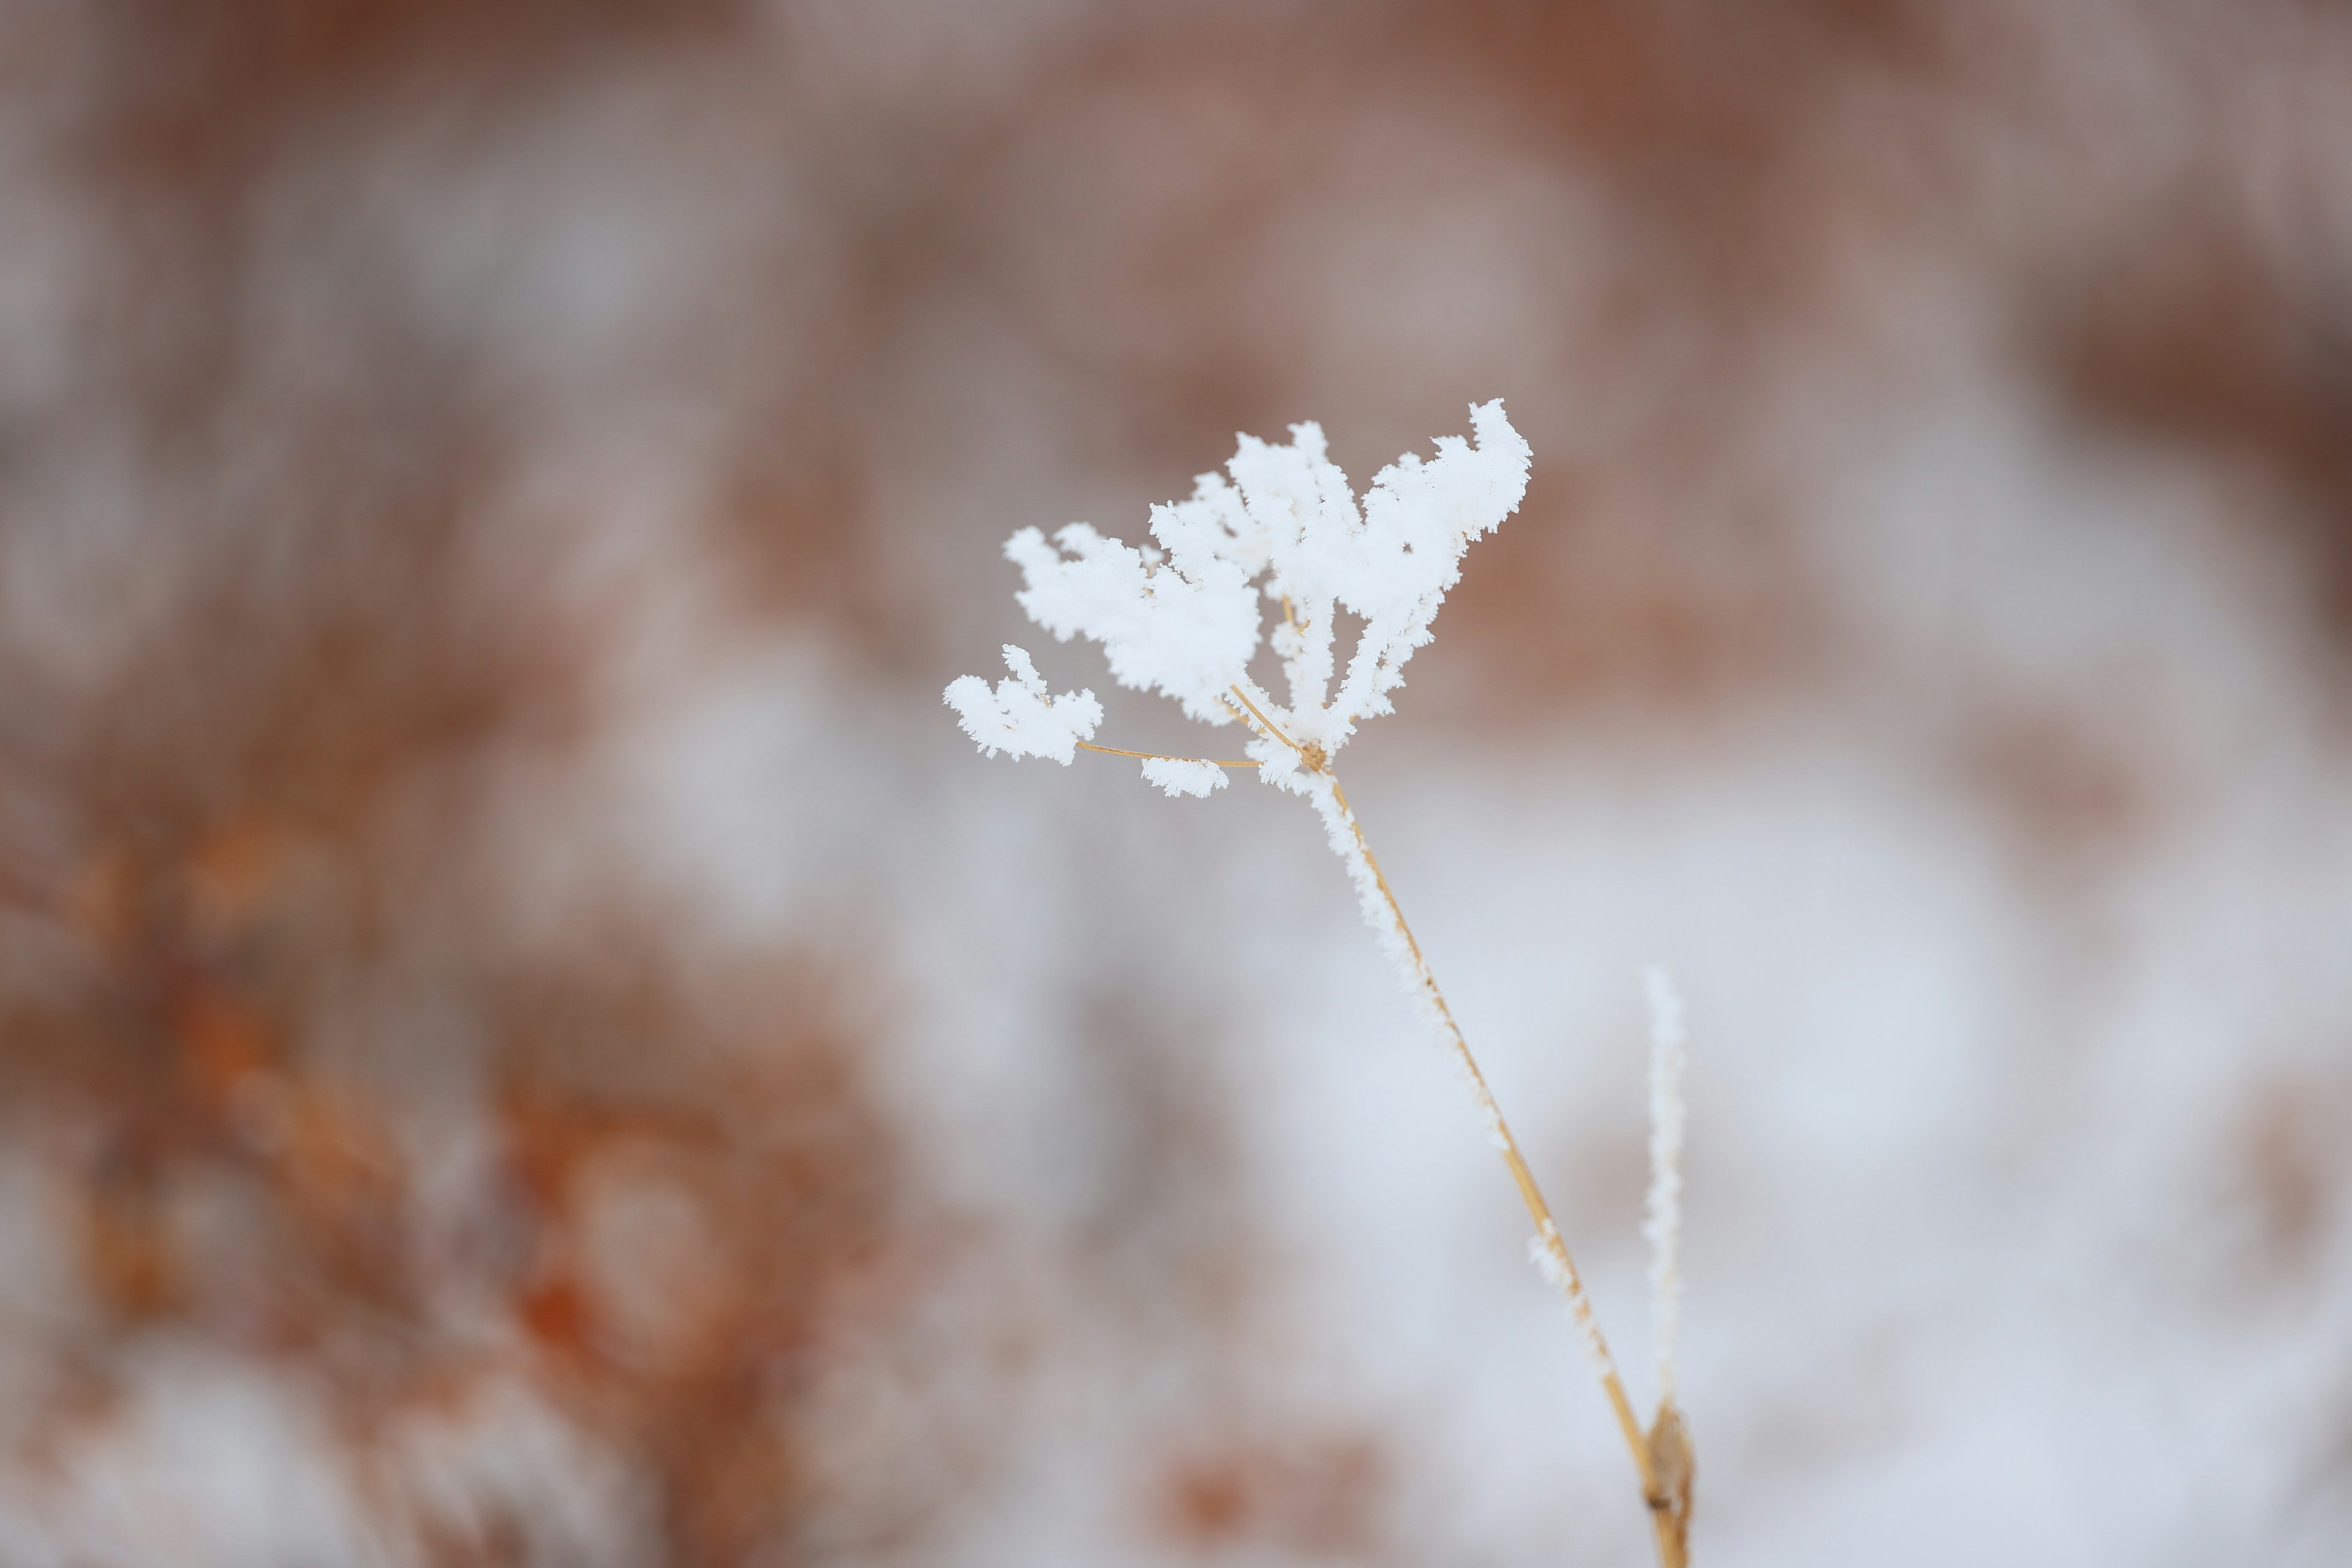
(1663, 1225)
(1287, 538)
(1018, 718)
(1183, 775)
(1548, 1252)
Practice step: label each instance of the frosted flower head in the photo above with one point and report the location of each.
(1284, 539)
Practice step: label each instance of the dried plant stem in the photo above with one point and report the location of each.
(1264, 723)
(1563, 1266)
(1662, 1456)
(1158, 756)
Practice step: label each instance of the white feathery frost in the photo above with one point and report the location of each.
(1284, 540)
(1183, 775)
(1548, 1252)
(1663, 1226)
(1018, 718)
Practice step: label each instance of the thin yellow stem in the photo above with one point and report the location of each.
(1158, 756)
(1636, 1444)
(1270, 727)
(1661, 1456)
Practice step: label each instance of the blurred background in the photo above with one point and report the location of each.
(528, 1038)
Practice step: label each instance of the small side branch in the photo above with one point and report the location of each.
(1266, 723)
(1662, 1223)
(1158, 757)
(1671, 1460)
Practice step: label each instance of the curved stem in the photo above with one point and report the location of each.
(1158, 756)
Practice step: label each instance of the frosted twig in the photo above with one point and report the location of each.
(1548, 1252)
(1184, 618)
(1671, 1462)
(1662, 1223)
(1163, 757)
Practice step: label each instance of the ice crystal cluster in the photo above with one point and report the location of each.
(1287, 542)
(1284, 540)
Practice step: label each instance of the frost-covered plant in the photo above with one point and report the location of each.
(1184, 617)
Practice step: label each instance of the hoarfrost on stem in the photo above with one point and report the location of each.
(1548, 1252)
(1285, 537)
(1662, 1227)
(1185, 615)
(1183, 775)
(1018, 718)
